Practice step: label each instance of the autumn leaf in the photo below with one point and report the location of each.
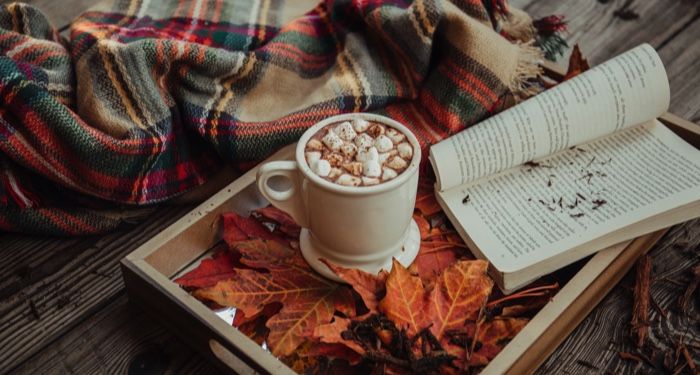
(492, 337)
(332, 333)
(404, 302)
(459, 294)
(432, 260)
(254, 326)
(423, 226)
(210, 271)
(268, 254)
(308, 299)
(426, 202)
(370, 287)
(577, 63)
(237, 228)
(285, 223)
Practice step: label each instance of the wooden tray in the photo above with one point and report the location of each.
(149, 270)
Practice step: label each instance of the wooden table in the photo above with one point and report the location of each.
(63, 308)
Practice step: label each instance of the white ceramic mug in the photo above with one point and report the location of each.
(354, 227)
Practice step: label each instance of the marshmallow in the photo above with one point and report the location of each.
(335, 172)
(397, 163)
(312, 157)
(384, 156)
(360, 125)
(388, 174)
(355, 168)
(372, 168)
(364, 141)
(395, 135)
(405, 150)
(332, 141)
(314, 145)
(348, 149)
(348, 180)
(375, 130)
(345, 131)
(383, 143)
(334, 158)
(367, 181)
(321, 167)
(365, 155)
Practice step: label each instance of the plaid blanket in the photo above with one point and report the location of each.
(147, 99)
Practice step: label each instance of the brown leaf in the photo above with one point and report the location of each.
(238, 228)
(370, 287)
(254, 326)
(491, 337)
(423, 226)
(334, 351)
(426, 202)
(405, 302)
(210, 271)
(285, 223)
(308, 299)
(331, 333)
(297, 320)
(432, 260)
(260, 253)
(460, 292)
(577, 63)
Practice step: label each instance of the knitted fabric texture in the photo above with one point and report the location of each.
(147, 99)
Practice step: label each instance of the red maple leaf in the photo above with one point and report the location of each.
(286, 224)
(210, 271)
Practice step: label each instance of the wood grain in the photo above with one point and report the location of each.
(601, 35)
(51, 284)
(119, 339)
(595, 343)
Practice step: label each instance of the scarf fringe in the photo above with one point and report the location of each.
(528, 67)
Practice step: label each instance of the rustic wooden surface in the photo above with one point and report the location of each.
(63, 308)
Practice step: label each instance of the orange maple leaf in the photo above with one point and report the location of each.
(367, 285)
(331, 333)
(308, 299)
(405, 301)
(491, 337)
(461, 291)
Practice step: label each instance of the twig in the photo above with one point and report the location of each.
(688, 359)
(688, 294)
(640, 312)
(532, 292)
(445, 243)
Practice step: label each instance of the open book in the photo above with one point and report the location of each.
(571, 171)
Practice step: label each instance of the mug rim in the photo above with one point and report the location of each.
(359, 190)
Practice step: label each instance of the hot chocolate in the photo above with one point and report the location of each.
(358, 153)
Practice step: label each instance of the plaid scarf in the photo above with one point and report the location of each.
(147, 99)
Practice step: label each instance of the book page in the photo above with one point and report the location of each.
(629, 89)
(529, 213)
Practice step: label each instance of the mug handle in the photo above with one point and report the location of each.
(289, 200)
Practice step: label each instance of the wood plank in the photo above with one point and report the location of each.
(51, 284)
(119, 339)
(60, 13)
(681, 57)
(601, 35)
(594, 345)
